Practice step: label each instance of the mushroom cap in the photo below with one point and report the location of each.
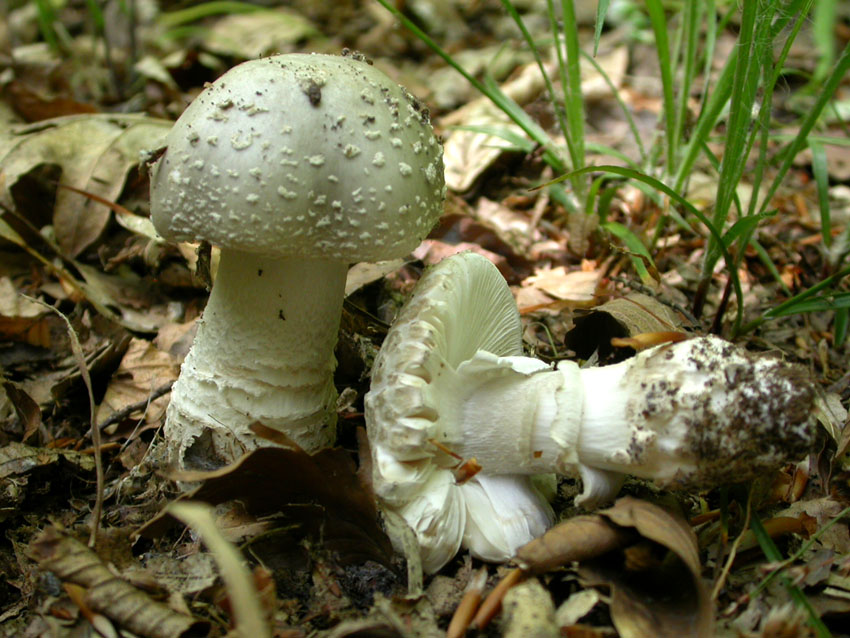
(461, 315)
(301, 155)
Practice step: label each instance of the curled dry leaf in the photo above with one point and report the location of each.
(321, 492)
(655, 582)
(106, 593)
(623, 317)
(576, 539)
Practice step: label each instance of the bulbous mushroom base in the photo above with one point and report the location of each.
(263, 353)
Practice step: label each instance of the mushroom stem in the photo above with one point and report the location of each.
(263, 352)
(520, 416)
(694, 413)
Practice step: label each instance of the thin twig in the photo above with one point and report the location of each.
(123, 413)
(80, 360)
(733, 551)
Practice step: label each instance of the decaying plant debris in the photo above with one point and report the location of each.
(736, 224)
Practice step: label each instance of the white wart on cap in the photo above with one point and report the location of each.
(450, 377)
(295, 166)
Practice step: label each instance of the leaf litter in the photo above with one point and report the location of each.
(306, 526)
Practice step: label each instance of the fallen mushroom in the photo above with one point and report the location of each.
(450, 378)
(295, 166)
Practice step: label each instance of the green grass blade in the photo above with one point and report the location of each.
(796, 301)
(773, 554)
(676, 197)
(205, 9)
(822, 303)
(610, 151)
(690, 30)
(573, 98)
(821, 173)
(842, 319)
(707, 120)
(840, 70)
(96, 15)
(550, 89)
(662, 48)
(519, 142)
(823, 35)
(601, 12)
(738, 125)
(709, 44)
(623, 107)
(488, 88)
(768, 263)
(46, 18)
(826, 140)
(641, 255)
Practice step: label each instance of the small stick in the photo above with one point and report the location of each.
(493, 603)
(123, 413)
(468, 605)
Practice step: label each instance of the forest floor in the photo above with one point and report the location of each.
(97, 313)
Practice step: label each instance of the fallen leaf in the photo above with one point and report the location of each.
(626, 316)
(73, 562)
(577, 286)
(143, 369)
(321, 492)
(258, 33)
(623, 548)
(17, 458)
(95, 153)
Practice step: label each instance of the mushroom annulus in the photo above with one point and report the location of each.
(450, 383)
(295, 166)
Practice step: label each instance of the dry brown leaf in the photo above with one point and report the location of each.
(322, 493)
(17, 458)
(575, 539)
(432, 251)
(627, 316)
(13, 304)
(34, 107)
(578, 286)
(660, 597)
(364, 273)
(186, 575)
(71, 561)
(143, 369)
(651, 595)
(512, 227)
(25, 407)
(95, 152)
(467, 154)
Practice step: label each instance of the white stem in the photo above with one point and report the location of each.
(263, 352)
(698, 413)
(517, 415)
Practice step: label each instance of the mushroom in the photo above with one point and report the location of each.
(450, 383)
(295, 166)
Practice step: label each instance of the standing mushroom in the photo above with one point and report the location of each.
(295, 166)
(449, 384)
